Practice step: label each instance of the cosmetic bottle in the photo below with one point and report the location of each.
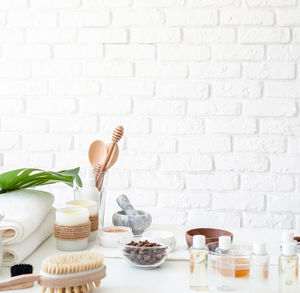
(198, 264)
(259, 270)
(286, 237)
(288, 269)
(225, 265)
(224, 245)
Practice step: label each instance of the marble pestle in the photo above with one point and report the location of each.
(126, 206)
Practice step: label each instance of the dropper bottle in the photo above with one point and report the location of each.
(259, 271)
(198, 264)
(288, 269)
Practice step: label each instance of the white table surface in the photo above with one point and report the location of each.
(172, 276)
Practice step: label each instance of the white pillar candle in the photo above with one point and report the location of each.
(72, 216)
(91, 206)
(88, 204)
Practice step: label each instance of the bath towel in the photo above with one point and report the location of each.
(16, 253)
(24, 210)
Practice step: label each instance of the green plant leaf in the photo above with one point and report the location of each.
(30, 177)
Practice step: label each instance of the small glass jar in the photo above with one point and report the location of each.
(226, 269)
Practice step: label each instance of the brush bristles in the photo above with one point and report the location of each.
(78, 289)
(77, 262)
(72, 263)
(21, 269)
(117, 134)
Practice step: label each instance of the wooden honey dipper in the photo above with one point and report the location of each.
(116, 136)
(100, 168)
(99, 177)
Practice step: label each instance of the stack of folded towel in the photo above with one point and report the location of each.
(28, 221)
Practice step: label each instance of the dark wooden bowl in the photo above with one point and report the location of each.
(211, 235)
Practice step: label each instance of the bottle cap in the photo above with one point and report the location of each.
(288, 249)
(259, 248)
(198, 241)
(224, 242)
(287, 237)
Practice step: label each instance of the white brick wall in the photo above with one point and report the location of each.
(208, 92)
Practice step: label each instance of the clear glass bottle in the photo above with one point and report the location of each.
(224, 245)
(198, 264)
(225, 265)
(288, 269)
(89, 191)
(259, 271)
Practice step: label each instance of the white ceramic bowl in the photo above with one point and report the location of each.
(111, 235)
(165, 237)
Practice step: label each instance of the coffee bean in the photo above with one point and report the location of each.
(144, 252)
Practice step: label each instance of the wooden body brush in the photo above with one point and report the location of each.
(70, 273)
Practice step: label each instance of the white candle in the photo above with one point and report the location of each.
(91, 206)
(88, 204)
(72, 216)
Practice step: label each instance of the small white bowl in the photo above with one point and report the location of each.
(110, 236)
(164, 237)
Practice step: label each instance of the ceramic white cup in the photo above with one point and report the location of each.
(112, 239)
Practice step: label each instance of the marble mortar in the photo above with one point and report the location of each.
(137, 220)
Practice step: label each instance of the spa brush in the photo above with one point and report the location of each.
(74, 272)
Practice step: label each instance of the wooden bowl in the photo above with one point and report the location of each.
(211, 235)
(297, 239)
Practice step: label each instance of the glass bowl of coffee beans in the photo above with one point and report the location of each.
(144, 254)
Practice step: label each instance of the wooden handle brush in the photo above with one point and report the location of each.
(77, 272)
(117, 135)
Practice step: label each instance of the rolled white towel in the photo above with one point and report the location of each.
(24, 210)
(16, 253)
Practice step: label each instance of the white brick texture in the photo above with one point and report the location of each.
(208, 92)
